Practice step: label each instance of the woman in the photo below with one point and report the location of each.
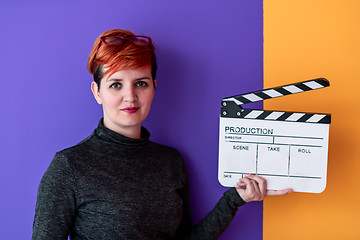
(117, 184)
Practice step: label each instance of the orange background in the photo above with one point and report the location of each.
(306, 39)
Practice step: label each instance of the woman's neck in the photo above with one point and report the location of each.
(128, 131)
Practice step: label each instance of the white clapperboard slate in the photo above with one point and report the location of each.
(288, 149)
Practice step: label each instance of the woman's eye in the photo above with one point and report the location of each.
(141, 84)
(115, 85)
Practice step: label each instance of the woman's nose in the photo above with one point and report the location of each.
(130, 94)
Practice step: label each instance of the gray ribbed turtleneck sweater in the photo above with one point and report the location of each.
(113, 187)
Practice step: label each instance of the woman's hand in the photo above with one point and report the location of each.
(254, 188)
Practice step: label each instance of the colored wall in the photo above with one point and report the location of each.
(304, 40)
(207, 50)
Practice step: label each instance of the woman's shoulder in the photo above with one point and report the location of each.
(78, 149)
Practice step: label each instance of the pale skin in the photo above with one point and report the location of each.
(254, 188)
(126, 98)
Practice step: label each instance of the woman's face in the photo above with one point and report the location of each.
(126, 97)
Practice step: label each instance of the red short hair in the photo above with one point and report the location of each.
(119, 57)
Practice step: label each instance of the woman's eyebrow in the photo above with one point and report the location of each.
(142, 78)
(120, 79)
(114, 80)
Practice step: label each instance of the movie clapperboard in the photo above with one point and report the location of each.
(288, 149)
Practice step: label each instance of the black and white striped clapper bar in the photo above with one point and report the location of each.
(288, 149)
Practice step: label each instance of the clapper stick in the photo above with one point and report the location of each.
(231, 106)
(278, 91)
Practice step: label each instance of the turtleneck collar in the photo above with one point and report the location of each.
(109, 135)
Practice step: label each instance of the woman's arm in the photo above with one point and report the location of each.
(251, 188)
(55, 205)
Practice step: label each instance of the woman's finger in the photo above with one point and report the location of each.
(261, 182)
(250, 188)
(279, 192)
(256, 186)
(244, 182)
(241, 184)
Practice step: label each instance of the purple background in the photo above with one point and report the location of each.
(207, 50)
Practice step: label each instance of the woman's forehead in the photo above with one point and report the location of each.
(132, 73)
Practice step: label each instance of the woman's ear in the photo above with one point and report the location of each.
(96, 93)
(154, 83)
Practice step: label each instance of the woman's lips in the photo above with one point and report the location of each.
(130, 109)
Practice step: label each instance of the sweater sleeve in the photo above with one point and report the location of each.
(55, 205)
(215, 222)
